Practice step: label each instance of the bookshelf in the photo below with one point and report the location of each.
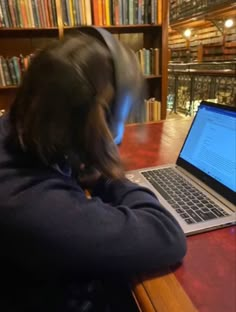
(145, 31)
(208, 70)
(210, 40)
(217, 52)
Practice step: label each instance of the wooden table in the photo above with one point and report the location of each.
(206, 281)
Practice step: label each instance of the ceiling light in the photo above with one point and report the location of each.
(229, 23)
(187, 33)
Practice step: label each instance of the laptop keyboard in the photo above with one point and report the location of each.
(191, 204)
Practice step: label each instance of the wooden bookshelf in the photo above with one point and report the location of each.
(210, 40)
(15, 41)
(182, 13)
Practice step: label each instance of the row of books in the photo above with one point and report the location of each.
(43, 13)
(152, 110)
(28, 13)
(109, 12)
(12, 68)
(149, 61)
(149, 112)
(216, 58)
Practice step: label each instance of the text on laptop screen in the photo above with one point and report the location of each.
(211, 144)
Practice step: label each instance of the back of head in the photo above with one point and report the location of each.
(61, 106)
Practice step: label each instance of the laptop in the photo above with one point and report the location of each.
(200, 188)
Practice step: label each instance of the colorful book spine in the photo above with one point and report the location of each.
(83, 13)
(78, 13)
(139, 19)
(2, 78)
(47, 18)
(12, 71)
(6, 17)
(156, 62)
(64, 13)
(100, 13)
(95, 12)
(16, 64)
(19, 14)
(13, 18)
(143, 11)
(131, 12)
(23, 14)
(159, 11)
(67, 4)
(107, 12)
(115, 7)
(54, 14)
(136, 7)
(6, 74)
(1, 17)
(29, 13)
(35, 13)
(88, 12)
(153, 15)
(74, 13)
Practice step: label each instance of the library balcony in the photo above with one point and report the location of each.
(181, 10)
(190, 83)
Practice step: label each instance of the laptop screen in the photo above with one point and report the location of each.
(211, 144)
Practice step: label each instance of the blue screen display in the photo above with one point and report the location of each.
(211, 144)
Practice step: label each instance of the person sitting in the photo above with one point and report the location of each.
(59, 246)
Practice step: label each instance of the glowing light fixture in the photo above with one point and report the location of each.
(187, 33)
(229, 23)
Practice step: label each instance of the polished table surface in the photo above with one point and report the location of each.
(206, 280)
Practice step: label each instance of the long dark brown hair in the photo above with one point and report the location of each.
(60, 108)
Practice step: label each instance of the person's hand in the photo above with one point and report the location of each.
(88, 177)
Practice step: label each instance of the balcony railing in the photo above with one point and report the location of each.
(184, 9)
(189, 84)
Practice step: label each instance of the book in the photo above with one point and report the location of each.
(47, 18)
(67, 5)
(6, 73)
(54, 12)
(82, 12)
(23, 14)
(95, 12)
(2, 23)
(157, 110)
(12, 71)
(16, 64)
(19, 14)
(74, 12)
(141, 59)
(153, 12)
(65, 18)
(125, 16)
(13, 18)
(5, 14)
(35, 13)
(139, 19)
(135, 11)
(2, 78)
(30, 13)
(115, 6)
(88, 11)
(131, 12)
(156, 69)
(107, 12)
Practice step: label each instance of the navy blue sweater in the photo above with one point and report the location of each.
(51, 231)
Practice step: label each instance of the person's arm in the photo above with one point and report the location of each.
(66, 233)
(171, 241)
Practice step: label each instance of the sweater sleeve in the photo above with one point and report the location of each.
(122, 229)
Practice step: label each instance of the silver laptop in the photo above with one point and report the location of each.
(200, 189)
